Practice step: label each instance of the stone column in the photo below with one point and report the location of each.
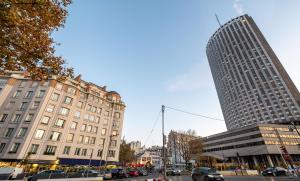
(270, 161)
(255, 160)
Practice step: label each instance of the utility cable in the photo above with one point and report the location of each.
(194, 114)
(154, 125)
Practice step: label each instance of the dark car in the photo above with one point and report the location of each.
(47, 174)
(133, 173)
(119, 174)
(274, 171)
(206, 174)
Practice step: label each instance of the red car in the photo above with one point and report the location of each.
(133, 173)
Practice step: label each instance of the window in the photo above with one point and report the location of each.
(70, 137)
(113, 143)
(111, 153)
(60, 123)
(50, 150)
(86, 140)
(45, 120)
(105, 121)
(41, 93)
(58, 86)
(84, 151)
(55, 136)
(29, 117)
(8, 132)
(103, 131)
(71, 90)
(73, 125)
(99, 110)
(29, 94)
(94, 109)
(3, 117)
(16, 118)
(2, 146)
(89, 107)
(35, 105)
(23, 106)
(92, 118)
(67, 150)
(114, 133)
(80, 139)
(14, 148)
(77, 151)
(99, 153)
(34, 148)
(55, 97)
(102, 141)
(89, 128)
(68, 100)
(22, 132)
(79, 104)
(106, 113)
(95, 130)
(97, 120)
(77, 114)
(83, 127)
(34, 84)
(22, 84)
(17, 94)
(86, 117)
(50, 108)
(117, 115)
(93, 140)
(64, 111)
(39, 134)
(10, 105)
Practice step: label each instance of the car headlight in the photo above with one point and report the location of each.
(221, 175)
(210, 175)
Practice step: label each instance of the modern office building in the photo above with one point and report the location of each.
(70, 122)
(254, 145)
(252, 85)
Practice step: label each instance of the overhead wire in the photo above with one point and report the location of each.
(153, 127)
(194, 114)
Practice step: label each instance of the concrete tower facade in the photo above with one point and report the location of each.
(252, 85)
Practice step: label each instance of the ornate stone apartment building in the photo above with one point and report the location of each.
(70, 122)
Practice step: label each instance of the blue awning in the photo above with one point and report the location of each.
(71, 161)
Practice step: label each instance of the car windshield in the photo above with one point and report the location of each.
(211, 171)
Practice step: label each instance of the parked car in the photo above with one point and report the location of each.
(107, 175)
(206, 174)
(9, 173)
(173, 172)
(133, 173)
(119, 174)
(91, 173)
(142, 172)
(47, 174)
(274, 171)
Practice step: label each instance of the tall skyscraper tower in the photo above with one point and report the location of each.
(252, 85)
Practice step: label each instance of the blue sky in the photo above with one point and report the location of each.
(153, 52)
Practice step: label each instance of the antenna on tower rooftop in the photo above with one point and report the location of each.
(218, 19)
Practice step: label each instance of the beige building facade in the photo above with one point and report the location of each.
(64, 122)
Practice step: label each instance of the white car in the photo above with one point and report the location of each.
(10, 172)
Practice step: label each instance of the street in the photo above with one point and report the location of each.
(227, 178)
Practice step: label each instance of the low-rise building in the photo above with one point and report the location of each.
(260, 145)
(68, 122)
(151, 155)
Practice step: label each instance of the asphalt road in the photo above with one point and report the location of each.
(227, 178)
